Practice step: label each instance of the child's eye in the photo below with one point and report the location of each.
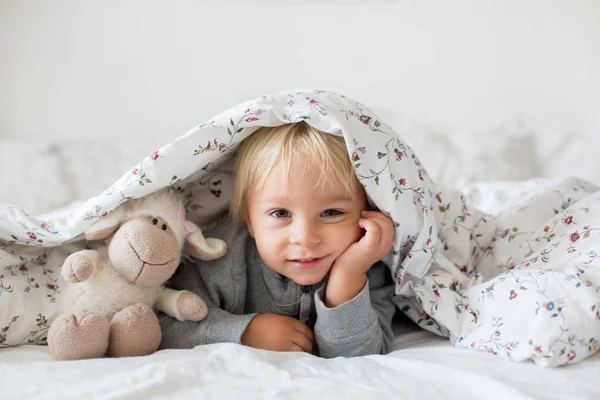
(331, 213)
(280, 214)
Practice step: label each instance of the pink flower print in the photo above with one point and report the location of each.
(574, 237)
(571, 355)
(568, 220)
(31, 235)
(510, 266)
(134, 171)
(51, 286)
(365, 119)
(246, 111)
(402, 181)
(23, 268)
(421, 174)
(538, 349)
(513, 295)
(546, 228)
(399, 155)
(492, 351)
(438, 197)
(463, 268)
(251, 119)
(5, 329)
(103, 214)
(154, 156)
(313, 103)
(428, 242)
(436, 292)
(504, 233)
(355, 156)
(427, 317)
(216, 193)
(454, 285)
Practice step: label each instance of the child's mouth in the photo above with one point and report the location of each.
(305, 262)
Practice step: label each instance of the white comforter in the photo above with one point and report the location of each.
(423, 367)
(523, 285)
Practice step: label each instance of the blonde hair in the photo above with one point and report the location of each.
(267, 147)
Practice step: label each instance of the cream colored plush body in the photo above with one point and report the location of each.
(106, 291)
(109, 308)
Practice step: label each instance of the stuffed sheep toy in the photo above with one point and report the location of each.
(108, 309)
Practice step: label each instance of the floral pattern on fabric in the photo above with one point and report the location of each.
(522, 285)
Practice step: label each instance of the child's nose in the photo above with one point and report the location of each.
(305, 233)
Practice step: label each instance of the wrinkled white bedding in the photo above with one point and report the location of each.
(423, 366)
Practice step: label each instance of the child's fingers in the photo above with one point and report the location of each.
(385, 223)
(380, 217)
(304, 330)
(373, 229)
(295, 347)
(302, 341)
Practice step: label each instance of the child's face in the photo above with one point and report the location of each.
(299, 228)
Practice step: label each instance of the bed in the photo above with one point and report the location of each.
(422, 364)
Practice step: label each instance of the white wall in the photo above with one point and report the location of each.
(153, 68)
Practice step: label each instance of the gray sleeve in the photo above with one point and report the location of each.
(360, 326)
(221, 284)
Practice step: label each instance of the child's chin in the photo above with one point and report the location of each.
(308, 280)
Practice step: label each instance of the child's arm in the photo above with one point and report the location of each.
(355, 308)
(214, 282)
(362, 325)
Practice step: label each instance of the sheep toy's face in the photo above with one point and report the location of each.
(145, 251)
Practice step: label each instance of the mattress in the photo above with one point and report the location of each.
(422, 366)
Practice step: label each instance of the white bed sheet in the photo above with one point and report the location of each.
(423, 367)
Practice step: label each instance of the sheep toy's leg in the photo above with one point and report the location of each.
(79, 336)
(134, 331)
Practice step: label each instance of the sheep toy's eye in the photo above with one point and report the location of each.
(164, 227)
(154, 221)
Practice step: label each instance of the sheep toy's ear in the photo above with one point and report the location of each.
(197, 245)
(106, 225)
(203, 248)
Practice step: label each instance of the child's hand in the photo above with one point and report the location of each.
(348, 274)
(372, 247)
(278, 333)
